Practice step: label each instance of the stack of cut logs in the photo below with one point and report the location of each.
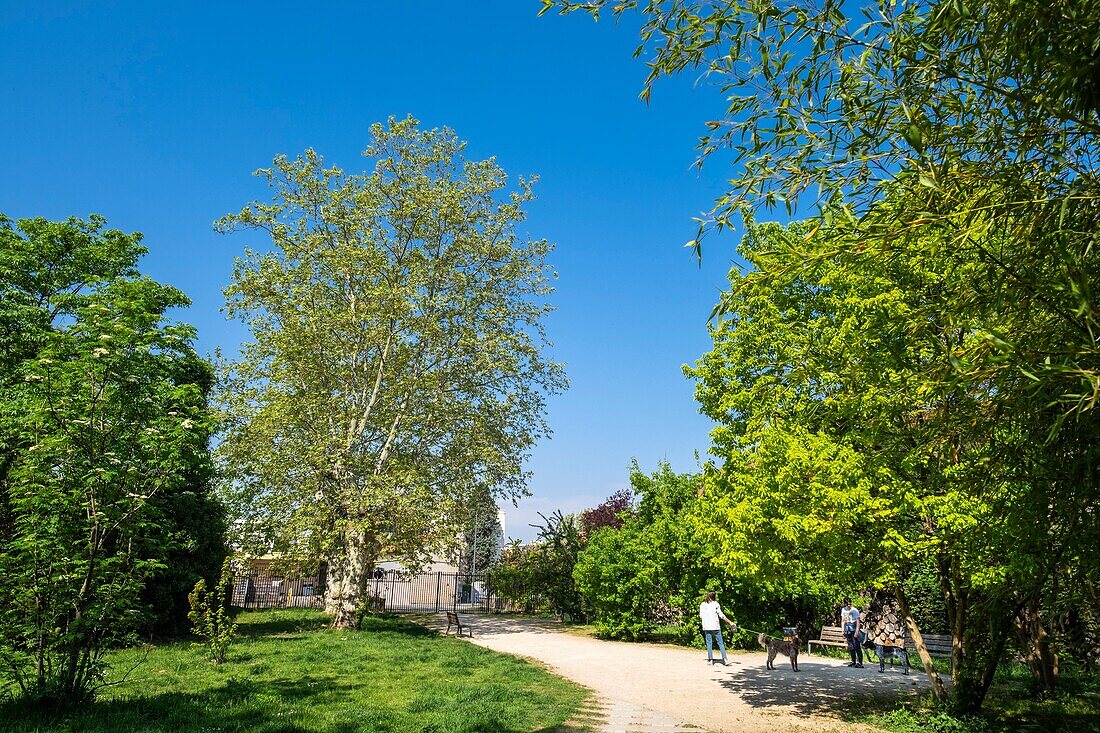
(885, 624)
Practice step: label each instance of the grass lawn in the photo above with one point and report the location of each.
(287, 673)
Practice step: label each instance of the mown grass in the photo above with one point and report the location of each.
(289, 674)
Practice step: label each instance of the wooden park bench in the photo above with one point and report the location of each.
(939, 645)
(453, 620)
(829, 636)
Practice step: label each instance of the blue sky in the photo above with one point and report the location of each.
(155, 115)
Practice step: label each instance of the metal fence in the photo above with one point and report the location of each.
(400, 592)
(276, 591)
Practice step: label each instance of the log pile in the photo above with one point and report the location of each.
(885, 624)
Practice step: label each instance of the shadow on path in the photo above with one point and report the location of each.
(818, 687)
(490, 624)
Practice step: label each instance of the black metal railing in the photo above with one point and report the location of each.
(275, 591)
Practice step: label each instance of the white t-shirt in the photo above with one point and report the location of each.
(710, 613)
(849, 615)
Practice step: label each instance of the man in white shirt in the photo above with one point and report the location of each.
(710, 614)
(850, 623)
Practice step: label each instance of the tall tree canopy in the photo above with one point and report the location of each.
(843, 424)
(951, 149)
(991, 107)
(396, 370)
(103, 452)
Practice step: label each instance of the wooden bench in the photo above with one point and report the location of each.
(829, 636)
(453, 620)
(939, 645)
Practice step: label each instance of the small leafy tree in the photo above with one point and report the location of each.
(101, 419)
(559, 544)
(210, 613)
(611, 513)
(542, 572)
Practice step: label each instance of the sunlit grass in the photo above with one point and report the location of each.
(288, 672)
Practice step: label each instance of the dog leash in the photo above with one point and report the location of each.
(754, 631)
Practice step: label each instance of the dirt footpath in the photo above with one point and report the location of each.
(652, 687)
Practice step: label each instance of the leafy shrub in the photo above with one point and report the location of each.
(906, 721)
(622, 582)
(210, 615)
(103, 414)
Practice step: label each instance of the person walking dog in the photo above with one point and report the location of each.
(710, 614)
(849, 621)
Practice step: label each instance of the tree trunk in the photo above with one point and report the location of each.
(938, 690)
(978, 663)
(1075, 633)
(349, 572)
(1035, 644)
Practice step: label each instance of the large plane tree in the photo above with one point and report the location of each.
(396, 369)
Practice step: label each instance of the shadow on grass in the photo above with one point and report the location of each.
(246, 705)
(392, 623)
(284, 623)
(239, 704)
(275, 623)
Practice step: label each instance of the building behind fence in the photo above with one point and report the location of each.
(399, 591)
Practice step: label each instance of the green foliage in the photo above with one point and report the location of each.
(653, 572)
(518, 577)
(617, 576)
(191, 533)
(291, 673)
(395, 373)
(904, 721)
(922, 589)
(102, 423)
(539, 576)
(210, 613)
(649, 572)
(479, 544)
(851, 447)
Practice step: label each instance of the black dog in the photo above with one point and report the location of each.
(885, 650)
(779, 646)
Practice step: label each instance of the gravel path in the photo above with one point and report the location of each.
(652, 687)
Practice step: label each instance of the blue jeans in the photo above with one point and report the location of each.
(855, 647)
(710, 636)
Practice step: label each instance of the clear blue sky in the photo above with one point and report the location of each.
(155, 115)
